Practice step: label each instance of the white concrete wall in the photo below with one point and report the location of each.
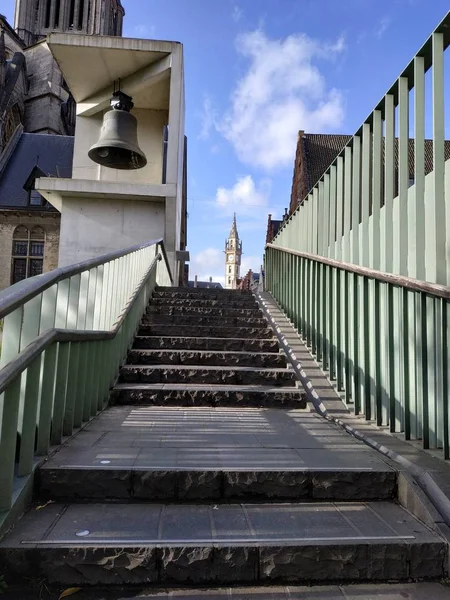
(150, 135)
(92, 228)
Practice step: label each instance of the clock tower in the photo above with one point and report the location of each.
(233, 253)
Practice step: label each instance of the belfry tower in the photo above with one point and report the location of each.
(233, 253)
(34, 19)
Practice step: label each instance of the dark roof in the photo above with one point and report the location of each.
(276, 226)
(206, 284)
(428, 151)
(52, 153)
(321, 149)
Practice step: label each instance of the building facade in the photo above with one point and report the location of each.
(37, 122)
(233, 255)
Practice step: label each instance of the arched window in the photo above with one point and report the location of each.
(27, 253)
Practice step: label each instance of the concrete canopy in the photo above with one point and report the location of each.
(90, 64)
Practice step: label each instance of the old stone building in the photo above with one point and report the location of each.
(37, 120)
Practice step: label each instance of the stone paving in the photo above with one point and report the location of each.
(400, 591)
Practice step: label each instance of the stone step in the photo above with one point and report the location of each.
(223, 375)
(159, 394)
(214, 454)
(200, 303)
(160, 483)
(222, 296)
(185, 343)
(164, 544)
(202, 291)
(204, 311)
(182, 320)
(204, 357)
(205, 331)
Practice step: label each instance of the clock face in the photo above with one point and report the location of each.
(231, 257)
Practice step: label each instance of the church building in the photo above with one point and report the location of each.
(37, 123)
(233, 254)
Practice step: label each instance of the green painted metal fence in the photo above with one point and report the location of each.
(362, 266)
(384, 202)
(384, 339)
(65, 335)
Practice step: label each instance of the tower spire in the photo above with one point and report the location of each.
(234, 232)
(233, 252)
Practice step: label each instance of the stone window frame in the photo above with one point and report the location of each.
(28, 244)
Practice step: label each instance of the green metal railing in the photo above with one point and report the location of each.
(384, 202)
(361, 267)
(384, 339)
(65, 335)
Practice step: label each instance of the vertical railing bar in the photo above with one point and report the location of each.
(30, 406)
(9, 410)
(416, 256)
(439, 242)
(62, 370)
(47, 399)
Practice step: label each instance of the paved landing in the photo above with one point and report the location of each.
(214, 439)
(147, 525)
(372, 591)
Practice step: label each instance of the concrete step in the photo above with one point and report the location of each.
(214, 454)
(204, 303)
(223, 375)
(215, 311)
(223, 296)
(172, 394)
(164, 544)
(182, 320)
(205, 331)
(204, 357)
(221, 292)
(185, 343)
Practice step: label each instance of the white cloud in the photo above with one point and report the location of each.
(236, 14)
(244, 197)
(383, 24)
(208, 119)
(281, 92)
(250, 262)
(210, 262)
(145, 31)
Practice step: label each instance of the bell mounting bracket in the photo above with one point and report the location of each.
(121, 101)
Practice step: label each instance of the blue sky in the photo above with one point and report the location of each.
(256, 72)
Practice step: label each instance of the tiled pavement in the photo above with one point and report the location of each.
(401, 591)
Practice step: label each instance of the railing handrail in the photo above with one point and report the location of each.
(12, 297)
(14, 368)
(433, 289)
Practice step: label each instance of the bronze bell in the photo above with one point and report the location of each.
(118, 146)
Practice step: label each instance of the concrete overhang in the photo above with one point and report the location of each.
(55, 189)
(90, 65)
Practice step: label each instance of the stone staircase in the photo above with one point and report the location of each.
(208, 469)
